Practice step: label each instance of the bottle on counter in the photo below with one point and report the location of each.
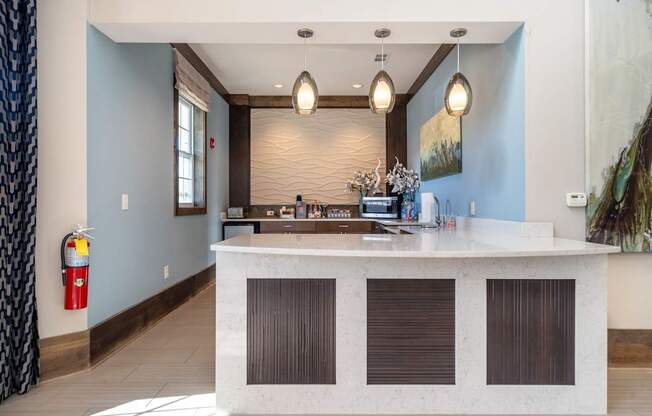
(300, 208)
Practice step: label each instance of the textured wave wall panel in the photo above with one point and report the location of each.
(312, 156)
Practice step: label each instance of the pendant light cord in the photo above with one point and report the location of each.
(458, 54)
(305, 54)
(382, 53)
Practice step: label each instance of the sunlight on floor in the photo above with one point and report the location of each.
(191, 405)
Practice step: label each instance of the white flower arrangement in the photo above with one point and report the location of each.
(403, 181)
(363, 181)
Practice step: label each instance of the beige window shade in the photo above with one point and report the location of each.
(191, 84)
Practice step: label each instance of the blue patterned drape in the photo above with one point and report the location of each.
(18, 333)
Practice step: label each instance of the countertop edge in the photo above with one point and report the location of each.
(413, 254)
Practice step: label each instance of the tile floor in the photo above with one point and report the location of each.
(169, 371)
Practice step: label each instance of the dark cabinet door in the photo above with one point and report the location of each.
(291, 331)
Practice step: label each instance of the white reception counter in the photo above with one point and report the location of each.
(493, 318)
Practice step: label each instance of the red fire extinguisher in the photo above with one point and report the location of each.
(74, 268)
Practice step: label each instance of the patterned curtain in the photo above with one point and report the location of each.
(19, 368)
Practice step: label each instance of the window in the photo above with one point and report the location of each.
(190, 157)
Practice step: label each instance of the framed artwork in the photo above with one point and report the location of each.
(619, 123)
(440, 146)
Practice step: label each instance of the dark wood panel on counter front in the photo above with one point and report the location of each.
(410, 331)
(239, 155)
(291, 331)
(531, 332)
(630, 347)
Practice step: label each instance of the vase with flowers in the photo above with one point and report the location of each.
(406, 183)
(365, 182)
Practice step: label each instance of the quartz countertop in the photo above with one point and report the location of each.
(422, 243)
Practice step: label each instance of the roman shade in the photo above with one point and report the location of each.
(191, 84)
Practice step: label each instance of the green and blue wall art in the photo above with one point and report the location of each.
(619, 124)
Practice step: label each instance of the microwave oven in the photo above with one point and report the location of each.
(380, 207)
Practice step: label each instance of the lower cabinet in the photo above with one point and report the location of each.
(316, 227)
(291, 331)
(531, 332)
(410, 331)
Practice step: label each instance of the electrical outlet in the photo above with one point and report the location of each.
(472, 209)
(125, 201)
(166, 271)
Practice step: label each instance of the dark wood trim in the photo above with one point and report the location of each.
(290, 331)
(239, 155)
(181, 210)
(410, 331)
(396, 135)
(530, 332)
(64, 354)
(285, 101)
(630, 347)
(437, 58)
(194, 59)
(111, 334)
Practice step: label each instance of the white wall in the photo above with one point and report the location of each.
(61, 193)
(630, 291)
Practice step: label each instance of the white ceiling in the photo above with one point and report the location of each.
(254, 69)
(250, 46)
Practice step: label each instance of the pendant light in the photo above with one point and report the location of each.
(459, 96)
(305, 96)
(381, 90)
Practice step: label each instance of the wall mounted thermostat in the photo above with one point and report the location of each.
(576, 199)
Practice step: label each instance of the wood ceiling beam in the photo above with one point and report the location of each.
(437, 58)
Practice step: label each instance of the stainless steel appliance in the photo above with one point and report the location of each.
(234, 229)
(380, 207)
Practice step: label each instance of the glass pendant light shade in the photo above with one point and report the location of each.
(381, 93)
(305, 96)
(459, 96)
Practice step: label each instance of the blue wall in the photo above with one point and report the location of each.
(130, 150)
(493, 149)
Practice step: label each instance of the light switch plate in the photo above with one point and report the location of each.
(166, 271)
(125, 201)
(576, 199)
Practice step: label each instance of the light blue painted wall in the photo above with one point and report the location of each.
(130, 150)
(493, 142)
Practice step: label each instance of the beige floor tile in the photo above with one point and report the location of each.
(203, 355)
(151, 373)
(150, 356)
(94, 395)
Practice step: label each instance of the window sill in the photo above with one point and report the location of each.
(183, 211)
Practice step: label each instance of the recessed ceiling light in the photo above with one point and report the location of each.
(278, 85)
(357, 85)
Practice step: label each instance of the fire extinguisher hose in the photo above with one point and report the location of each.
(63, 257)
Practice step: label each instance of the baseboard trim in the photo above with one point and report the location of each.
(111, 334)
(630, 347)
(69, 353)
(64, 354)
